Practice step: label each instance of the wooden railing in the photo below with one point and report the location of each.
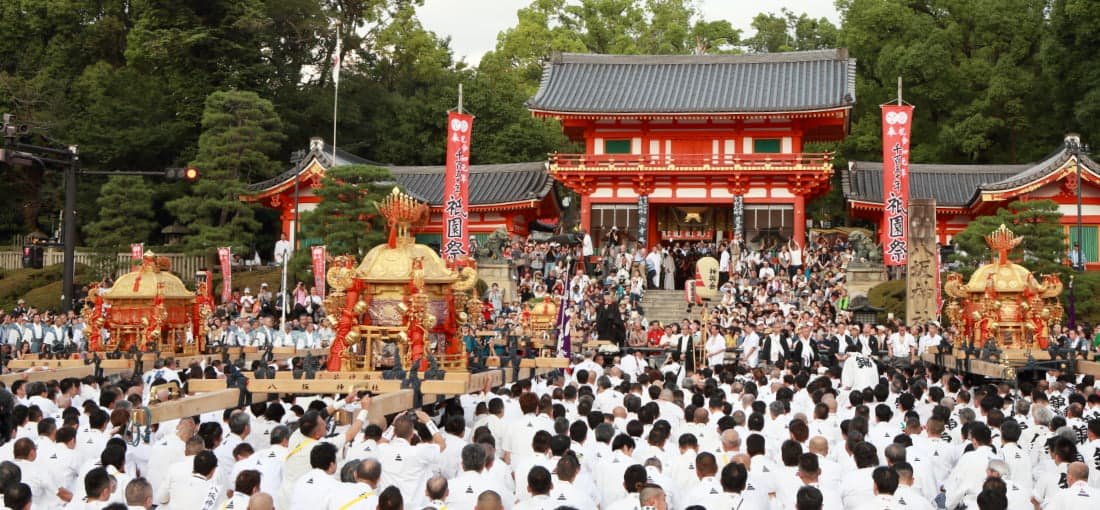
(689, 162)
(184, 266)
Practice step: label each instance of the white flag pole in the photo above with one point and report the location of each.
(336, 89)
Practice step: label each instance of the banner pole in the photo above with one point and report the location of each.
(283, 320)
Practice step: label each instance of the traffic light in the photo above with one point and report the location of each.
(10, 129)
(189, 174)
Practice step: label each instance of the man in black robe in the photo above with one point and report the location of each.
(609, 322)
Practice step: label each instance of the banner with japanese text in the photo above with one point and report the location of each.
(225, 259)
(317, 253)
(137, 251)
(896, 121)
(456, 188)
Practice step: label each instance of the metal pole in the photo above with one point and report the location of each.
(69, 217)
(294, 232)
(1080, 246)
(282, 323)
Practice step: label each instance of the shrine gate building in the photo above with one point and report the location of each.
(686, 148)
(509, 196)
(965, 191)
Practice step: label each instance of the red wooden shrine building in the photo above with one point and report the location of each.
(697, 147)
(510, 196)
(963, 192)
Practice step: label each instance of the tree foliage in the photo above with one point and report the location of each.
(971, 67)
(1038, 221)
(130, 198)
(240, 131)
(788, 31)
(347, 217)
(128, 81)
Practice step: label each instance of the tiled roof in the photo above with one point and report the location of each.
(489, 184)
(950, 185)
(953, 185)
(765, 82)
(323, 153)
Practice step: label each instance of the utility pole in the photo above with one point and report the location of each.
(16, 153)
(68, 277)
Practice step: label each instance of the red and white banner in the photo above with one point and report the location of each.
(137, 251)
(896, 121)
(317, 253)
(456, 187)
(225, 259)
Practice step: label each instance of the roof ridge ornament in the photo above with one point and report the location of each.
(401, 211)
(1003, 240)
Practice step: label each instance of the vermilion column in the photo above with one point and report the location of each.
(800, 219)
(586, 213)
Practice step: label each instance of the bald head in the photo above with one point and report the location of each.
(731, 440)
(651, 495)
(489, 500)
(368, 472)
(701, 415)
(1077, 472)
(819, 446)
(261, 501)
(436, 488)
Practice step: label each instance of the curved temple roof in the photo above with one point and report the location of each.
(768, 82)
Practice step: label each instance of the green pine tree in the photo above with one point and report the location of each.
(1038, 221)
(347, 218)
(240, 132)
(127, 205)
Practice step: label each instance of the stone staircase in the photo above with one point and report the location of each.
(667, 306)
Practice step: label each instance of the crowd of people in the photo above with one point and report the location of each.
(775, 399)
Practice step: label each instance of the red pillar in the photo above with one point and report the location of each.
(800, 219)
(586, 213)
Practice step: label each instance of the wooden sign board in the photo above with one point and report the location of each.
(528, 363)
(346, 376)
(707, 267)
(321, 386)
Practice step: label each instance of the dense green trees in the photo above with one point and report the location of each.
(129, 81)
(240, 131)
(971, 67)
(1037, 221)
(347, 217)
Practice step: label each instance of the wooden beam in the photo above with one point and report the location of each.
(205, 385)
(321, 386)
(57, 374)
(363, 376)
(195, 405)
(443, 387)
(551, 362)
(1089, 368)
(395, 402)
(21, 364)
